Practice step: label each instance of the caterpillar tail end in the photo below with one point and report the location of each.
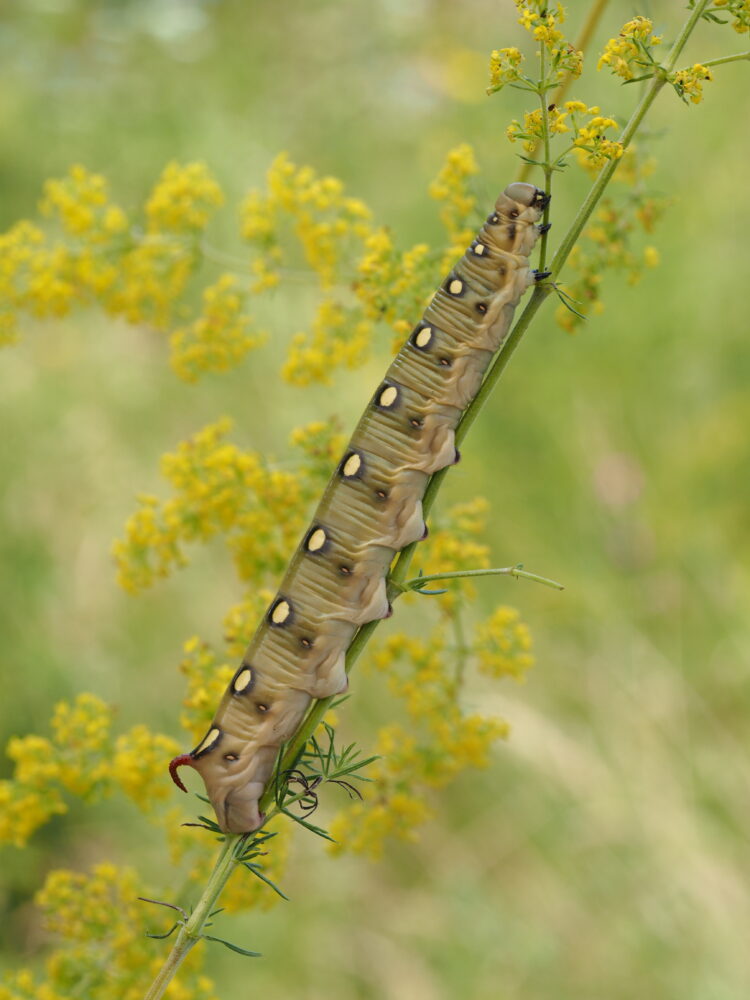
(179, 761)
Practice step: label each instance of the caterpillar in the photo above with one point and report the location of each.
(371, 508)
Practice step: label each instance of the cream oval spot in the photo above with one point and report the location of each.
(316, 541)
(243, 680)
(479, 249)
(456, 286)
(280, 612)
(352, 465)
(424, 336)
(388, 396)
(209, 740)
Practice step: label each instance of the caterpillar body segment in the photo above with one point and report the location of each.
(371, 508)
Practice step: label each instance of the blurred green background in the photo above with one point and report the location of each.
(605, 853)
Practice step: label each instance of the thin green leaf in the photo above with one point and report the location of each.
(309, 826)
(264, 878)
(163, 937)
(233, 947)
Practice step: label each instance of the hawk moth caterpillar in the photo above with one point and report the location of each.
(371, 508)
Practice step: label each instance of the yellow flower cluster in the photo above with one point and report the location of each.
(543, 24)
(739, 11)
(440, 742)
(138, 763)
(532, 130)
(142, 273)
(630, 52)
(689, 82)
(221, 489)
(219, 338)
(100, 922)
(100, 256)
(207, 679)
(537, 18)
(325, 218)
(593, 146)
(184, 199)
(505, 67)
(393, 286)
(609, 243)
(330, 227)
(80, 759)
(340, 337)
(321, 443)
(452, 545)
(503, 645)
(450, 188)
(80, 202)
(155, 270)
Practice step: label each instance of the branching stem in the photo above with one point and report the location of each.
(517, 571)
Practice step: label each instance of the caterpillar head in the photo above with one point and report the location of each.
(237, 756)
(234, 779)
(517, 210)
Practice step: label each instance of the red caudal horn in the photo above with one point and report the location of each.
(184, 758)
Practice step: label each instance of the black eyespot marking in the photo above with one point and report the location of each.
(345, 570)
(307, 643)
(513, 213)
(262, 708)
(455, 286)
(381, 494)
(231, 756)
(386, 397)
(352, 465)
(481, 307)
(244, 680)
(281, 613)
(493, 219)
(209, 742)
(416, 422)
(316, 540)
(421, 337)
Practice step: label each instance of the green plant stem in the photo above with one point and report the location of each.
(461, 648)
(190, 932)
(581, 44)
(723, 60)
(515, 571)
(547, 168)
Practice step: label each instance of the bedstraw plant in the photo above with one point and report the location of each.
(158, 267)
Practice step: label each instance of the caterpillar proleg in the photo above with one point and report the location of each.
(371, 508)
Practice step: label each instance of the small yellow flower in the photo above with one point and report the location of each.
(503, 645)
(689, 82)
(505, 67)
(630, 53)
(183, 199)
(221, 336)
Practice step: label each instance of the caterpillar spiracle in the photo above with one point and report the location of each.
(371, 508)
